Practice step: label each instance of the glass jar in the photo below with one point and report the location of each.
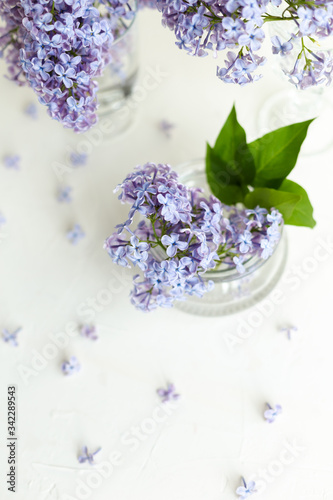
(292, 104)
(232, 291)
(119, 77)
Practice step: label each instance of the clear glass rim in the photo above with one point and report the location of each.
(129, 27)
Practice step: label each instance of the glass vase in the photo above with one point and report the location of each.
(232, 292)
(292, 104)
(118, 79)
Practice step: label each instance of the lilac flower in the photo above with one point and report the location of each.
(12, 162)
(281, 48)
(267, 248)
(271, 413)
(64, 194)
(88, 331)
(3, 220)
(288, 330)
(150, 4)
(119, 257)
(88, 457)
(168, 394)
(173, 244)
(11, 337)
(78, 159)
(245, 242)
(31, 110)
(59, 49)
(166, 127)
(70, 367)
(258, 215)
(235, 26)
(253, 37)
(246, 490)
(239, 264)
(76, 234)
(181, 236)
(274, 216)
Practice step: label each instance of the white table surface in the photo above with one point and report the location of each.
(217, 433)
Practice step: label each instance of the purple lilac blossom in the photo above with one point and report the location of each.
(76, 234)
(246, 490)
(150, 4)
(182, 235)
(168, 394)
(3, 220)
(235, 26)
(271, 413)
(88, 457)
(59, 48)
(65, 194)
(288, 330)
(78, 159)
(71, 366)
(11, 337)
(31, 110)
(12, 162)
(88, 331)
(166, 128)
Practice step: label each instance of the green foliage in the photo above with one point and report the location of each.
(256, 173)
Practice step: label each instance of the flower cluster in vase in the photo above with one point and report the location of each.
(184, 234)
(236, 26)
(58, 48)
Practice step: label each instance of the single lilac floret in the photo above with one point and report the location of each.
(76, 234)
(239, 261)
(288, 330)
(78, 159)
(168, 394)
(71, 366)
(166, 127)
(271, 413)
(11, 337)
(246, 490)
(88, 457)
(3, 220)
(88, 331)
(65, 194)
(279, 47)
(31, 110)
(12, 162)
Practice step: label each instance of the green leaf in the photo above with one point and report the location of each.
(219, 181)
(275, 154)
(302, 214)
(272, 198)
(231, 148)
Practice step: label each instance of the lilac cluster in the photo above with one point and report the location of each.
(59, 48)
(182, 235)
(236, 26)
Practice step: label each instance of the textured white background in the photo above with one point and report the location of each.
(217, 433)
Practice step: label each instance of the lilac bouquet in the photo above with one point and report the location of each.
(58, 48)
(182, 235)
(236, 26)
